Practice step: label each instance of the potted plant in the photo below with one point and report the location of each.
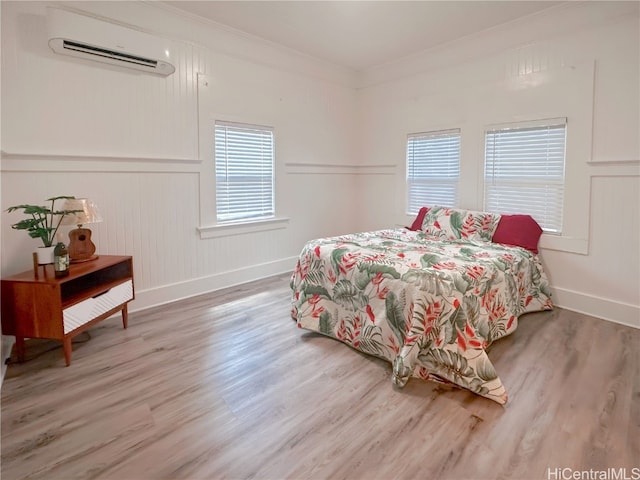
(42, 223)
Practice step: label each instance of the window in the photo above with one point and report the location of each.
(244, 172)
(433, 168)
(524, 171)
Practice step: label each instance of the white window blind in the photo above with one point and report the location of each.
(433, 168)
(244, 172)
(524, 171)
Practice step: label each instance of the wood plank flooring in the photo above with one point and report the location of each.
(224, 386)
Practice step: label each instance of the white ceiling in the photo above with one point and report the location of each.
(361, 34)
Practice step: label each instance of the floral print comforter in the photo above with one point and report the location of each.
(429, 306)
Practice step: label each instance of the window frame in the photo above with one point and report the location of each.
(413, 205)
(237, 163)
(207, 227)
(550, 213)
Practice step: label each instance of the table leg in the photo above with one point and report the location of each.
(67, 350)
(125, 316)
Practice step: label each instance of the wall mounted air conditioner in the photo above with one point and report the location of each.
(92, 39)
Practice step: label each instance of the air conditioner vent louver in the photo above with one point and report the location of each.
(102, 52)
(101, 41)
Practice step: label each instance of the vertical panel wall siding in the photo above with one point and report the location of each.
(588, 72)
(129, 141)
(156, 227)
(62, 105)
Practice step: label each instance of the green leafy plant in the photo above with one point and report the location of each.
(43, 222)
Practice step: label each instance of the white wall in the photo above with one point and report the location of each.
(130, 141)
(581, 62)
(137, 144)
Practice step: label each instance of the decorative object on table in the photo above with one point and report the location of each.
(60, 260)
(44, 255)
(43, 223)
(81, 248)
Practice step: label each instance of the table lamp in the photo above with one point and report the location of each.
(81, 248)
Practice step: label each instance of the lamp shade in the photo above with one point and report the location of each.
(89, 212)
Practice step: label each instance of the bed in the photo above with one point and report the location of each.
(429, 299)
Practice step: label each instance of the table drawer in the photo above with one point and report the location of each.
(85, 311)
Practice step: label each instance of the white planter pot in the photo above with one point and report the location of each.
(45, 255)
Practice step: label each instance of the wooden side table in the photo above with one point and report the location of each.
(60, 308)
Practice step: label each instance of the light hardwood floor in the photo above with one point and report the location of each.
(225, 386)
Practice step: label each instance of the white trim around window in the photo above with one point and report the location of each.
(244, 170)
(239, 228)
(525, 170)
(433, 169)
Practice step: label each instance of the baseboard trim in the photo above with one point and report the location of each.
(604, 308)
(154, 297)
(610, 310)
(607, 309)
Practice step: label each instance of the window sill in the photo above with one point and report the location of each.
(564, 244)
(240, 228)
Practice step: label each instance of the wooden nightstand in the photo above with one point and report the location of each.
(61, 308)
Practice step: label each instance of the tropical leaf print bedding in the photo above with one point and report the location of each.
(429, 306)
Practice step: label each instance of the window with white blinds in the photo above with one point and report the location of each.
(244, 172)
(433, 168)
(524, 171)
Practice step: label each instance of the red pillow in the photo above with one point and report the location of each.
(518, 230)
(417, 223)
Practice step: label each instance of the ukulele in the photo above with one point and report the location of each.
(81, 248)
